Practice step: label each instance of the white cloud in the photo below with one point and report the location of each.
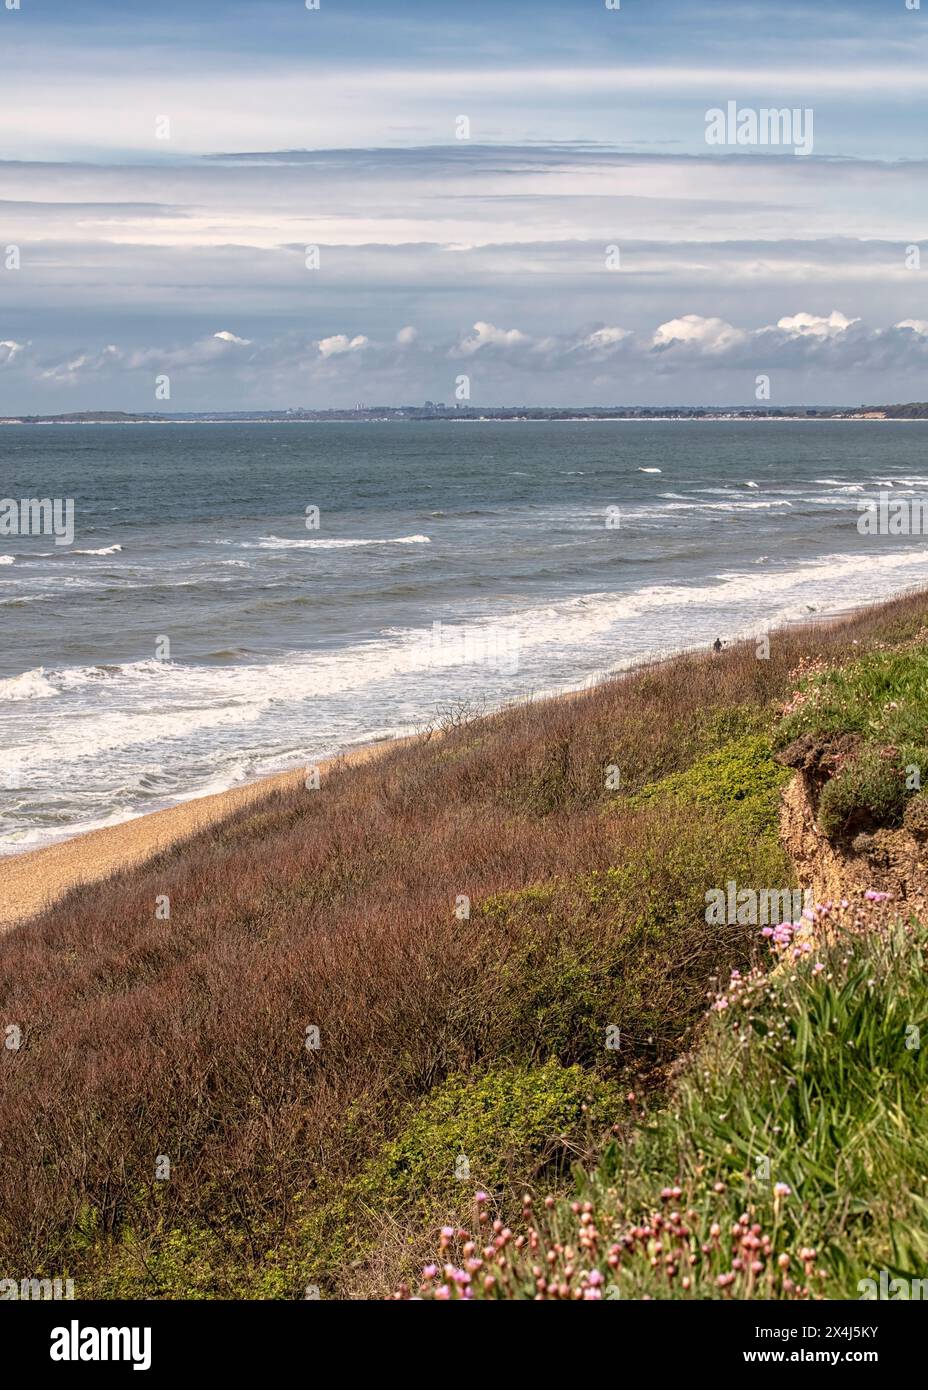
(263, 109)
(340, 343)
(488, 335)
(544, 195)
(82, 365)
(9, 350)
(506, 364)
(706, 334)
(604, 338)
(407, 336)
(815, 325)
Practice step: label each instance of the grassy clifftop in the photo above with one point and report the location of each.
(476, 967)
(789, 1161)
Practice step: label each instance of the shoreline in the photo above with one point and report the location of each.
(522, 420)
(36, 879)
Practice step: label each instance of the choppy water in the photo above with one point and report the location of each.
(288, 644)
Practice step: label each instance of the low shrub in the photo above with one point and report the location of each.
(868, 793)
(789, 1162)
(868, 719)
(336, 910)
(741, 773)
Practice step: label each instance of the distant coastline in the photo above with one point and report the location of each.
(431, 411)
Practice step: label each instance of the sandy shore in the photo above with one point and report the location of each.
(35, 880)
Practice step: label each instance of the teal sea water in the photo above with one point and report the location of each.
(452, 563)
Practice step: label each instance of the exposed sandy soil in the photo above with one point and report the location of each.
(893, 860)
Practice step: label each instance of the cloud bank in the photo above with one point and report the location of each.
(602, 363)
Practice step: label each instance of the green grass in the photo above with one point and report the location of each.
(810, 1078)
(878, 706)
(627, 946)
(797, 1123)
(882, 696)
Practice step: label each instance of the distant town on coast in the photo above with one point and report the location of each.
(438, 410)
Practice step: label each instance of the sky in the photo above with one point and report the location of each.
(540, 202)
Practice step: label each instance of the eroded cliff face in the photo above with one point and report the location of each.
(890, 861)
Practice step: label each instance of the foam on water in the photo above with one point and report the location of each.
(30, 685)
(304, 645)
(322, 543)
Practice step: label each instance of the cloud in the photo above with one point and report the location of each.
(221, 347)
(581, 140)
(86, 364)
(487, 335)
(340, 343)
(225, 370)
(815, 325)
(78, 366)
(266, 108)
(707, 335)
(602, 340)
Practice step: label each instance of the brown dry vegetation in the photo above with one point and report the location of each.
(335, 908)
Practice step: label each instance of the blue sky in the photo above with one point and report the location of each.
(163, 170)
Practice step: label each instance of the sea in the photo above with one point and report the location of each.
(239, 599)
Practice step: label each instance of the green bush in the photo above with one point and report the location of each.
(868, 792)
(167, 1264)
(511, 1124)
(627, 946)
(741, 774)
(514, 1126)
